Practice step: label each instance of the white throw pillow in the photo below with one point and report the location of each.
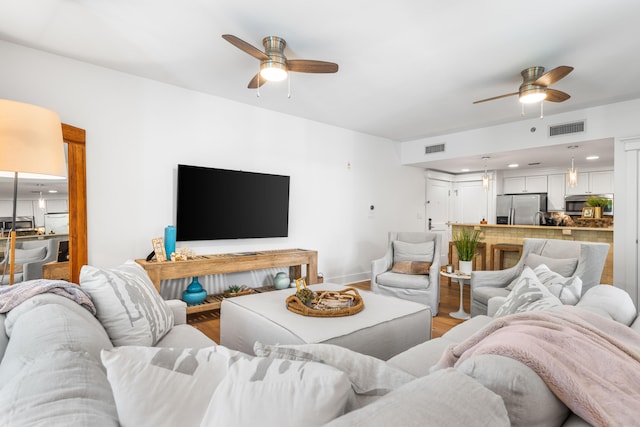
(127, 304)
(563, 266)
(568, 289)
(370, 377)
(527, 295)
(443, 398)
(269, 392)
(24, 256)
(155, 386)
(404, 251)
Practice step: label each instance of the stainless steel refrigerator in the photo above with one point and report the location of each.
(521, 209)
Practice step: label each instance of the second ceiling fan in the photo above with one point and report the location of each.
(535, 86)
(274, 65)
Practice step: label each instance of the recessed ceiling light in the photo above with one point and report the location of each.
(514, 165)
(465, 170)
(593, 157)
(53, 191)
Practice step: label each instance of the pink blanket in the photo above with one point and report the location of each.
(591, 363)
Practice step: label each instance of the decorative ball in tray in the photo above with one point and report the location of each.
(306, 302)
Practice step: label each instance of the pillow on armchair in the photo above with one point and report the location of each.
(563, 266)
(528, 295)
(568, 289)
(24, 256)
(412, 258)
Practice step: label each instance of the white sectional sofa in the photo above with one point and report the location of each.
(59, 366)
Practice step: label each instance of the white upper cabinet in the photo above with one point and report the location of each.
(57, 206)
(525, 184)
(556, 192)
(600, 182)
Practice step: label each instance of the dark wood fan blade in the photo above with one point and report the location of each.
(556, 95)
(256, 81)
(496, 97)
(245, 47)
(310, 66)
(549, 78)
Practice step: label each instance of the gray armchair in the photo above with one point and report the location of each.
(412, 284)
(31, 255)
(567, 257)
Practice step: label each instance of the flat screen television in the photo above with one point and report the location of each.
(214, 204)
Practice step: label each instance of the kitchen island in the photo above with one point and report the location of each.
(493, 234)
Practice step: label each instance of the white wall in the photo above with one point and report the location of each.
(607, 121)
(138, 130)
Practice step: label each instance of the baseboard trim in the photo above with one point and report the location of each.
(349, 279)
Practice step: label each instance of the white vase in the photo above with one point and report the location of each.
(466, 267)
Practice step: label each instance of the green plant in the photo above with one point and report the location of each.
(233, 289)
(596, 201)
(466, 243)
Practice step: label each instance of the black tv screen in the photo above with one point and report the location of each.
(218, 204)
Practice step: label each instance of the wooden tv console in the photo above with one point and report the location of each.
(204, 265)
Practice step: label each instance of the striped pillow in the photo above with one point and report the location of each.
(568, 289)
(127, 304)
(528, 294)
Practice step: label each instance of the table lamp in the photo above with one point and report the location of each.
(31, 145)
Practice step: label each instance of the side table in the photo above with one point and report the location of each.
(460, 277)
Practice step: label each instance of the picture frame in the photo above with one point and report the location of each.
(587, 212)
(300, 284)
(158, 248)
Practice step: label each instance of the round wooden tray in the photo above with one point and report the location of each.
(294, 304)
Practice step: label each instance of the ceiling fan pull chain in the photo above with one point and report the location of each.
(289, 85)
(541, 110)
(522, 112)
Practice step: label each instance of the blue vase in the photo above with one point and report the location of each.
(194, 294)
(169, 240)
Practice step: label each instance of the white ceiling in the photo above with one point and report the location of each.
(408, 69)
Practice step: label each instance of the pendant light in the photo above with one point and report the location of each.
(486, 177)
(41, 201)
(572, 175)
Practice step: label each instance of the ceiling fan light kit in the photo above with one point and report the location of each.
(532, 94)
(273, 71)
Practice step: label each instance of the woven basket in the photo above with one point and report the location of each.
(294, 304)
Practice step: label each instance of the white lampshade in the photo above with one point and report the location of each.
(31, 141)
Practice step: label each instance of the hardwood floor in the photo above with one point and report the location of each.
(209, 322)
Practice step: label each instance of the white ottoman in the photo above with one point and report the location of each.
(385, 327)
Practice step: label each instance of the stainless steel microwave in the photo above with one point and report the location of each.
(573, 204)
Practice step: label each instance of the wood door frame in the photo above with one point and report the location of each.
(77, 181)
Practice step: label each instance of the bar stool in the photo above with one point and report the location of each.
(502, 248)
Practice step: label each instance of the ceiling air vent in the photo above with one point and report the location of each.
(566, 128)
(430, 149)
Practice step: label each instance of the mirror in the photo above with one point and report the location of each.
(73, 189)
(76, 148)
